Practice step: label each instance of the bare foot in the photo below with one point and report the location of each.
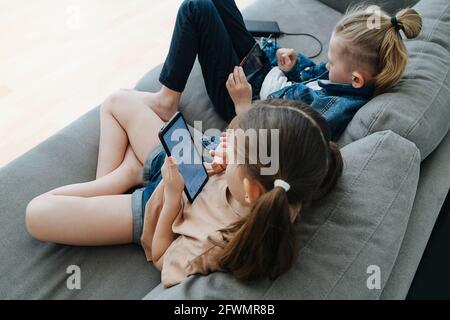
(165, 107)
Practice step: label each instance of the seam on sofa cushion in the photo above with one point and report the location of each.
(375, 119)
(347, 192)
(407, 174)
(414, 125)
(438, 20)
(344, 196)
(427, 38)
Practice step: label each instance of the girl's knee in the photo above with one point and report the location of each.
(115, 99)
(34, 216)
(195, 5)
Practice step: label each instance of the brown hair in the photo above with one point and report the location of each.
(380, 49)
(264, 243)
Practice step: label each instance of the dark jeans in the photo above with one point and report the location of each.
(215, 30)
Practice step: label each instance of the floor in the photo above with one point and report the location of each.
(61, 58)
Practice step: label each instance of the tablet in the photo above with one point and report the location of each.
(178, 143)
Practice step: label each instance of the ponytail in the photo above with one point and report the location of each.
(263, 244)
(410, 22)
(335, 167)
(393, 54)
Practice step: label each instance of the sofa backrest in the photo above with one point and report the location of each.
(418, 107)
(389, 6)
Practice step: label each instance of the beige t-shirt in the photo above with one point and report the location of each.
(191, 252)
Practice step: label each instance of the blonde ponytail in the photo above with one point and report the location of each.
(379, 50)
(410, 22)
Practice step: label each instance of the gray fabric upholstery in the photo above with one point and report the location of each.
(417, 108)
(340, 236)
(33, 270)
(389, 6)
(434, 184)
(195, 104)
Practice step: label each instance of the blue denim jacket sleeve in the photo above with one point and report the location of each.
(340, 112)
(297, 91)
(304, 69)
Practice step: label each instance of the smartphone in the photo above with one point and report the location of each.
(254, 61)
(178, 142)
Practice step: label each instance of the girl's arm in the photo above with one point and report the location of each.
(164, 235)
(173, 188)
(301, 67)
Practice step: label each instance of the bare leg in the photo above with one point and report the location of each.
(119, 181)
(87, 214)
(126, 117)
(78, 221)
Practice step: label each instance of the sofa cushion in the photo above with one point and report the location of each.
(434, 185)
(341, 235)
(418, 108)
(31, 269)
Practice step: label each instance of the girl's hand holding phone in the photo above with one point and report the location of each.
(240, 90)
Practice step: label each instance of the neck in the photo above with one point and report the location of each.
(233, 202)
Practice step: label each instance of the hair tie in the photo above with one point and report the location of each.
(395, 23)
(282, 184)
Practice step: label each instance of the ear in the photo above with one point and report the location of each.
(253, 190)
(358, 79)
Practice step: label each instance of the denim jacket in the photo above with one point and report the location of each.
(337, 102)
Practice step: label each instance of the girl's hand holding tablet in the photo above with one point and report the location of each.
(172, 179)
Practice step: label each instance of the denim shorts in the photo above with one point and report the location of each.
(151, 178)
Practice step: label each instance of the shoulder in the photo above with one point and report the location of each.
(187, 257)
(208, 261)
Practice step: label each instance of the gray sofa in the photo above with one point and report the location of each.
(397, 175)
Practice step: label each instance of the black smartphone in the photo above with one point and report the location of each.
(178, 143)
(254, 61)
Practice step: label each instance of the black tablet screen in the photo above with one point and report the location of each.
(179, 144)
